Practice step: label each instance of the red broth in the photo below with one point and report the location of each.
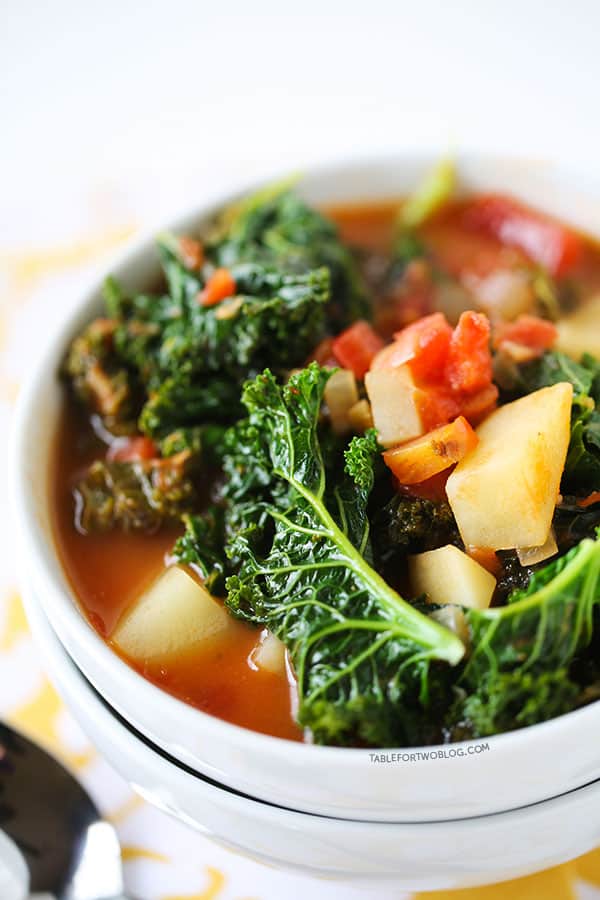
(108, 571)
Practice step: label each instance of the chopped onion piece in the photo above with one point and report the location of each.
(518, 353)
(268, 654)
(173, 615)
(341, 394)
(360, 416)
(504, 294)
(453, 618)
(529, 556)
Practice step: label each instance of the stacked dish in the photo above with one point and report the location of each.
(427, 817)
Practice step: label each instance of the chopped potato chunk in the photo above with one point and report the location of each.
(504, 492)
(394, 404)
(447, 575)
(361, 418)
(173, 615)
(341, 394)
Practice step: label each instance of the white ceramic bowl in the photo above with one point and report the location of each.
(465, 779)
(418, 856)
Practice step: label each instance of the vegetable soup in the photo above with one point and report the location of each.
(337, 479)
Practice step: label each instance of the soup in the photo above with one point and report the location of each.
(337, 478)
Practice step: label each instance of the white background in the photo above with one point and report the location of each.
(121, 109)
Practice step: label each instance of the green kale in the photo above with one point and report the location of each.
(512, 575)
(582, 467)
(182, 363)
(193, 359)
(364, 657)
(182, 400)
(99, 378)
(134, 496)
(202, 547)
(573, 522)
(408, 524)
(277, 318)
(518, 670)
(203, 441)
(552, 368)
(276, 228)
(514, 700)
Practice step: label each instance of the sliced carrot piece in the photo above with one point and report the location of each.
(592, 498)
(425, 456)
(220, 285)
(486, 557)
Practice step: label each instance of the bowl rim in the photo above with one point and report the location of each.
(81, 684)
(33, 546)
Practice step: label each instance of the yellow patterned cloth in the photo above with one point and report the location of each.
(163, 859)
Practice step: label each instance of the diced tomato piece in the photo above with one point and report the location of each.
(544, 240)
(134, 449)
(477, 406)
(323, 354)
(486, 557)
(469, 367)
(356, 347)
(528, 331)
(425, 456)
(433, 488)
(220, 285)
(423, 345)
(437, 405)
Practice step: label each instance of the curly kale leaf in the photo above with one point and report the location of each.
(135, 496)
(276, 228)
(275, 318)
(582, 467)
(193, 359)
(518, 669)
(99, 378)
(407, 524)
(183, 400)
(572, 522)
(201, 547)
(202, 441)
(515, 700)
(553, 368)
(363, 656)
